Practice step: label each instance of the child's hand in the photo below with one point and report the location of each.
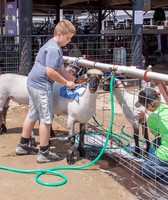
(70, 84)
(141, 115)
(80, 79)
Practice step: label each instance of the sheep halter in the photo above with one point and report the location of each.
(91, 76)
(98, 77)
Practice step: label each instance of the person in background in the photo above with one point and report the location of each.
(156, 164)
(48, 68)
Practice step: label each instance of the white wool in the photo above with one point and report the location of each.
(95, 71)
(127, 102)
(13, 86)
(78, 111)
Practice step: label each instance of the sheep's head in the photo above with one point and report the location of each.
(94, 77)
(117, 83)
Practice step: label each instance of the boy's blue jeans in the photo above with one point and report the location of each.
(155, 168)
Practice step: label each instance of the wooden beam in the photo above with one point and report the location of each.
(94, 4)
(70, 2)
(120, 2)
(159, 3)
(113, 2)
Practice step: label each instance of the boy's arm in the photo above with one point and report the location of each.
(142, 115)
(57, 77)
(66, 74)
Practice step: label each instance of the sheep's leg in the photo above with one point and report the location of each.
(71, 139)
(3, 128)
(1, 122)
(136, 140)
(146, 136)
(52, 134)
(3, 114)
(81, 149)
(70, 152)
(32, 141)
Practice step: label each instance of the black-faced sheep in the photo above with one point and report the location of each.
(80, 110)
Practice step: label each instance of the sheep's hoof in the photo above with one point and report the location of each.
(70, 157)
(146, 152)
(32, 142)
(136, 152)
(82, 152)
(3, 129)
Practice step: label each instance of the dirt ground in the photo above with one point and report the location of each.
(87, 184)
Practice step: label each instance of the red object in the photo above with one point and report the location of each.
(145, 77)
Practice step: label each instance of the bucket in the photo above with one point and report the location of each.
(119, 56)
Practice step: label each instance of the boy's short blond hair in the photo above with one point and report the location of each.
(64, 27)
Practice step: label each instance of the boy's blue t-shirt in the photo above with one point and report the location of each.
(49, 55)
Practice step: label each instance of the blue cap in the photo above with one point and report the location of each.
(145, 96)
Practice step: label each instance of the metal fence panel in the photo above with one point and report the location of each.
(17, 54)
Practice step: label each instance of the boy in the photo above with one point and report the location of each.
(156, 164)
(48, 68)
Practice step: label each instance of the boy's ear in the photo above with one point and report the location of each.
(158, 91)
(149, 105)
(59, 34)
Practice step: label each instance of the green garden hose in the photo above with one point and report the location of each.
(40, 172)
(128, 135)
(114, 135)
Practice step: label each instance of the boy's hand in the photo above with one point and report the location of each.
(141, 115)
(80, 79)
(70, 84)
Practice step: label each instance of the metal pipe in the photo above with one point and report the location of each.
(129, 71)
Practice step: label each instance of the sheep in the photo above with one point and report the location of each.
(127, 102)
(80, 110)
(13, 86)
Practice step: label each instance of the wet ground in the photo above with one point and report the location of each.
(130, 178)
